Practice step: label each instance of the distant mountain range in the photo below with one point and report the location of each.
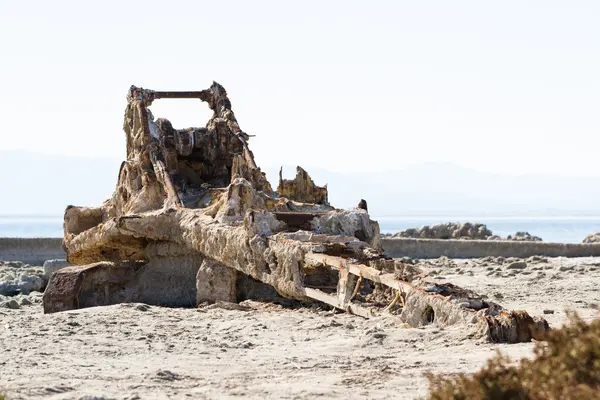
(32, 183)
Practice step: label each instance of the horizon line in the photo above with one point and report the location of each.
(404, 217)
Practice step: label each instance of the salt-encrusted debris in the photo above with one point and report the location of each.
(194, 219)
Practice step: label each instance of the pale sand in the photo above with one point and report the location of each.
(136, 351)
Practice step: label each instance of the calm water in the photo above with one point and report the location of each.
(31, 226)
(568, 230)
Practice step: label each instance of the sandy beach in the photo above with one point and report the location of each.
(258, 350)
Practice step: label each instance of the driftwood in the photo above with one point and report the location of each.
(194, 219)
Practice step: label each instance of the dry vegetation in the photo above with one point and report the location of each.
(566, 366)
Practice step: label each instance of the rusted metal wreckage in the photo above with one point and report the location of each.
(194, 219)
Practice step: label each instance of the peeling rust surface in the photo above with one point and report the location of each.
(62, 292)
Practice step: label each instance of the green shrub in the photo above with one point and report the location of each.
(565, 366)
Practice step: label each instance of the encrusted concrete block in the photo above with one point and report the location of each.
(215, 282)
(169, 281)
(97, 284)
(162, 281)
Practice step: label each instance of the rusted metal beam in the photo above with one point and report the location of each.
(333, 301)
(202, 95)
(365, 271)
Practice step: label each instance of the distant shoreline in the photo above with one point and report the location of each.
(558, 228)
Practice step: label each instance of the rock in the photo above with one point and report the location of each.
(466, 230)
(14, 264)
(537, 259)
(30, 283)
(517, 265)
(51, 266)
(524, 237)
(450, 230)
(26, 302)
(16, 277)
(9, 289)
(35, 297)
(12, 304)
(494, 237)
(548, 311)
(592, 238)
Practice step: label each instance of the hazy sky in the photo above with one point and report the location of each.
(508, 86)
